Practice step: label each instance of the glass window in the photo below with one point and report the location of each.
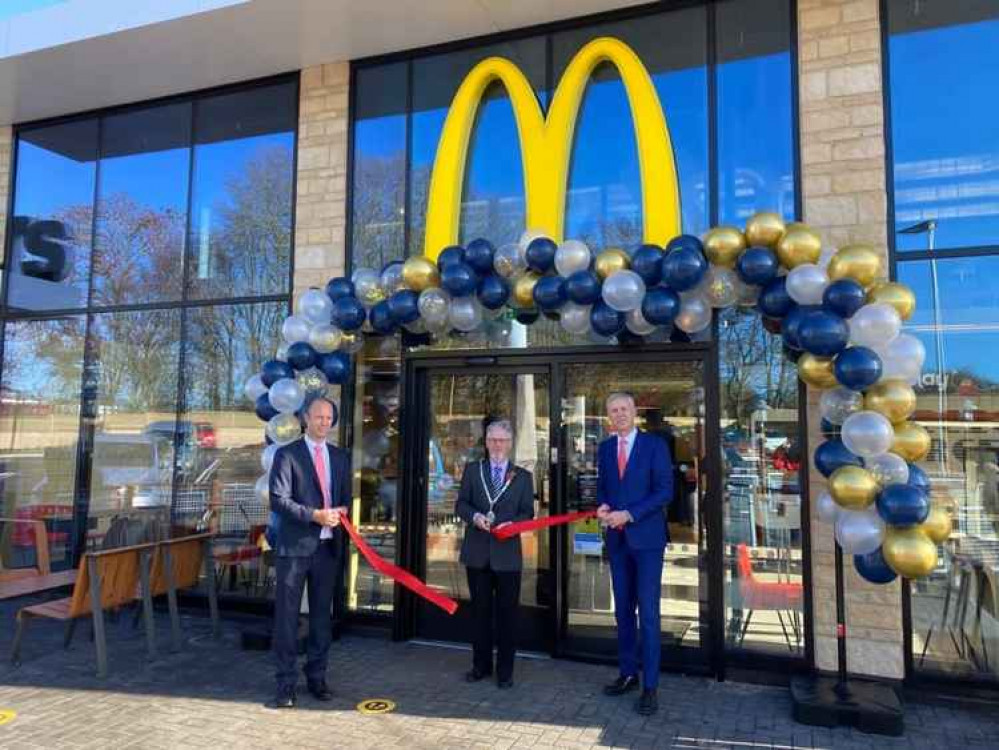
(142, 206)
(240, 237)
(944, 62)
(39, 434)
(53, 217)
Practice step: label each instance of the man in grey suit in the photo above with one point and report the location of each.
(494, 493)
(310, 490)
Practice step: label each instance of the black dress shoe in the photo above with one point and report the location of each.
(621, 685)
(320, 691)
(504, 684)
(648, 704)
(285, 698)
(474, 675)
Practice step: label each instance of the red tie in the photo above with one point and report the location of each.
(317, 459)
(622, 455)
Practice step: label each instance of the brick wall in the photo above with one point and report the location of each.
(843, 181)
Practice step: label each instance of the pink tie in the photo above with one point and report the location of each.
(317, 458)
(622, 455)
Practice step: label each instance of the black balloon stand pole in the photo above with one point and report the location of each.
(827, 701)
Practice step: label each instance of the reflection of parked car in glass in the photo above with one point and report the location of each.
(197, 440)
(134, 464)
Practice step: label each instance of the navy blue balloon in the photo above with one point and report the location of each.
(339, 287)
(540, 254)
(335, 366)
(263, 408)
(381, 319)
(660, 306)
(605, 320)
(301, 355)
(687, 241)
(832, 455)
(549, 293)
(450, 255)
(348, 313)
(458, 279)
(404, 306)
(684, 266)
(844, 297)
(903, 505)
(857, 368)
(757, 265)
(790, 327)
(774, 301)
(273, 370)
(873, 567)
(494, 291)
(479, 255)
(647, 263)
(583, 287)
(527, 317)
(918, 479)
(823, 333)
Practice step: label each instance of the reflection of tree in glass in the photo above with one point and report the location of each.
(42, 360)
(379, 217)
(135, 360)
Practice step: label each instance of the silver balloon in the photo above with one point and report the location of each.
(325, 338)
(391, 279)
(284, 428)
(312, 381)
(888, 468)
(875, 325)
(572, 256)
(637, 324)
(262, 488)
(509, 261)
(254, 388)
(623, 291)
(286, 395)
(368, 286)
(837, 404)
(721, 287)
(315, 306)
(439, 327)
(267, 456)
(859, 532)
(902, 358)
(694, 315)
(827, 508)
(575, 318)
(433, 305)
(806, 284)
(296, 328)
(282, 352)
(867, 434)
(465, 313)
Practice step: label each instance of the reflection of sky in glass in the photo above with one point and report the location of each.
(48, 181)
(379, 189)
(944, 137)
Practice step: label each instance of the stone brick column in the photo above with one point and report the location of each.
(6, 138)
(321, 203)
(845, 198)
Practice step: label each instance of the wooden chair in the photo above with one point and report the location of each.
(766, 595)
(178, 564)
(42, 559)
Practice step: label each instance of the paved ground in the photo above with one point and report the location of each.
(211, 696)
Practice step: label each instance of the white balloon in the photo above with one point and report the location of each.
(902, 358)
(263, 487)
(837, 404)
(572, 256)
(694, 315)
(509, 261)
(325, 338)
(433, 306)
(867, 434)
(465, 313)
(875, 325)
(254, 387)
(888, 468)
(267, 456)
(296, 328)
(859, 531)
(286, 395)
(575, 318)
(368, 286)
(806, 283)
(391, 279)
(637, 324)
(827, 508)
(316, 307)
(721, 287)
(283, 428)
(623, 291)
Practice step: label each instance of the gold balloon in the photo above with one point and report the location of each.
(897, 295)
(937, 525)
(862, 263)
(764, 229)
(852, 487)
(800, 244)
(523, 289)
(817, 371)
(912, 442)
(723, 245)
(893, 398)
(420, 273)
(609, 261)
(909, 551)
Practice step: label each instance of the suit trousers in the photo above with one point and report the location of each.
(637, 581)
(322, 570)
(495, 599)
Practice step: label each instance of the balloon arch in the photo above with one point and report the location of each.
(839, 317)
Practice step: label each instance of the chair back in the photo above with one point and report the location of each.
(119, 573)
(187, 554)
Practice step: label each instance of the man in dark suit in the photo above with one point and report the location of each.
(635, 482)
(310, 490)
(493, 494)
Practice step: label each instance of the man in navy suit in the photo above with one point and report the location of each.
(309, 489)
(635, 483)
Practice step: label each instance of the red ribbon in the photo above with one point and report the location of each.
(520, 527)
(397, 574)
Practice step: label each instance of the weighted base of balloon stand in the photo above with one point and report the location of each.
(870, 707)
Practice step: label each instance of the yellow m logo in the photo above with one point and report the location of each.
(546, 145)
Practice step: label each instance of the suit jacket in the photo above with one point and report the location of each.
(479, 548)
(645, 489)
(295, 493)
